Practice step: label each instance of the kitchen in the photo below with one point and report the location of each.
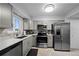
(29, 28)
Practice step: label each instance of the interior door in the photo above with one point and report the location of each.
(57, 38)
(65, 36)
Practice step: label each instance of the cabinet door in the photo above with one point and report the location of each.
(0, 14)
(25, 47)
(50, 41)
(26, 24)
(34, 40)
(6, 15)
(31, 25)
(34, 25)
(49, 26)
(16, 51)
(30, 42)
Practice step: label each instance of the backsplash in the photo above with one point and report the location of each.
(1, 30)
(2, 36)
(31, 31)
(10, 33)
(36, 31)
(7, 33)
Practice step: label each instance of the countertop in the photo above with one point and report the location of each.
(10, 41)
(4, 43)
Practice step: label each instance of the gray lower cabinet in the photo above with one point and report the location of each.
(19, 49)
(50, 40)
(34, 40)
(14, 50)
(26, 45)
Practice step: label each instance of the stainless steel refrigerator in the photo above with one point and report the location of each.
(62, 36)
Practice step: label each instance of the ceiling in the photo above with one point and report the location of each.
(35, 9)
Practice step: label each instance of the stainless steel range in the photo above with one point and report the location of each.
(42, 36)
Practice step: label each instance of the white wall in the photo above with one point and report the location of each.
(73, 18)
(20, 12)
(37, 18)
(45, 20)
(74, 33)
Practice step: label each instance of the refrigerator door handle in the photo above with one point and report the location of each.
(61, 37)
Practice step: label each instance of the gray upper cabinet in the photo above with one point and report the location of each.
(28, 24)
(5, 15)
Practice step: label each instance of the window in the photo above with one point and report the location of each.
(16, 23)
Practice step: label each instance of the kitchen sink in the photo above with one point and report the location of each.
(20, 37)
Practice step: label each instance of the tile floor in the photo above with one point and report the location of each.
(51, 52)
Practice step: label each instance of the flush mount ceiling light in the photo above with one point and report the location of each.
(49, 8)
